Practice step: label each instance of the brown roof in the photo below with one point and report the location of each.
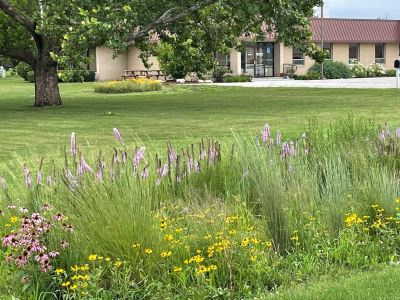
(356, 30)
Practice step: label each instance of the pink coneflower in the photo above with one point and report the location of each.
(11, 206)
(64, 244)
(36, 218)
(46, 206)
(46, 267)
(9, 258)
(118, 136)
(278, 138)
(23, 210)
(53, 253)
(41, 257)
(73, 144)
(3, 183)
(20, 261)
(58, 217)
(25, 279)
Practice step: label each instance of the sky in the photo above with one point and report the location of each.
(364, 9)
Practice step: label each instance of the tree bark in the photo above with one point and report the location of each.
(46, 82)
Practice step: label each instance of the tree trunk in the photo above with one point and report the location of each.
(46, 82)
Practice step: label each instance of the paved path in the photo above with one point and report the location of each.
(363, 83)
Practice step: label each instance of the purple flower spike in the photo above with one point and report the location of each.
(26, 171)
(158, 182)
(99, 174)
(303, 135)
(3, 183)
(271, 142)
(118, 136)
(397, 131)
(382, 135)
(278, 138)
(28, 181)
(48, 179)
(73, 144)
(39, 177)
(285, 147)
(387, 130)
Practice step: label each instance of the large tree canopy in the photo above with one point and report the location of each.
(45, 33)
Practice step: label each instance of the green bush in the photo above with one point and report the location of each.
(390, 73)
(31, 76)
(332, 70)
(76, 76)
(307, 77)
(359, 71)
(23, 69)
(238, 78)
(128, 86)
(220, 73)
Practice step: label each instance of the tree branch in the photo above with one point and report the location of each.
(19, 54)
(168, 17)
(26, 21)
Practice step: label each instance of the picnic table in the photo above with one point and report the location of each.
(144, 74)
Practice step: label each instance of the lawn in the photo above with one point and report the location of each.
(316, 218)
(180, 113)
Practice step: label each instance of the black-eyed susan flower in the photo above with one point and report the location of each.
(84, 284)
(250, 228)
(107, 259)
(75, 269)
(149, 251)
(84, 293)
(168, 237)
(117, 263)
(232, 232)
(213, 267)
(135, 245)
(59, 271)
(92, 257)
(177, 269)
(268, 244)
(74, 286)
(67, 283)
(254, 257)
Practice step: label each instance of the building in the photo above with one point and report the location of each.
(347, 40)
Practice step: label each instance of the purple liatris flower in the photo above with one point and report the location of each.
(3, 183)
(292, 151)
(86, 166)
(158, 182)
(165, 170)
(285, 147)
(145, 172)
(278, 138)
(39, 177)
(382, 135)
(48, 179)
(73, 144)
(26, 171)
(266, 133)
(118, 136)
(397, 131)
(99, 174)
(387, 130)
(28, 181)
(271, 142)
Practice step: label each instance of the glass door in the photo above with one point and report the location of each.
(258, 60)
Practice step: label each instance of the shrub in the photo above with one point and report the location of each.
(238, 78)
(220, 73)
(31, 76)
(332, 70)
(23, 69)
(359, 71)
(76, 76)
(307, 77)
(390, 73)
(128, 86)
(376, 70)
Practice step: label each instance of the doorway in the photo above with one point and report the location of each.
(258, 60)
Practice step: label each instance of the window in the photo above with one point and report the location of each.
(380, 53)
(223, 59)
(298, 56)
(329, 47)
(354, 53)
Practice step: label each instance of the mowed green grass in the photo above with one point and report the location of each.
(182, 114)
(373, 285)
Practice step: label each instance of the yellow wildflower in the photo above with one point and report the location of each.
(117, 263)
(66, 283)
(92, 257)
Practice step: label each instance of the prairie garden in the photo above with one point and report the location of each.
(199, 192)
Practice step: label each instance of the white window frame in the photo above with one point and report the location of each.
(381, 60)
(298, 61)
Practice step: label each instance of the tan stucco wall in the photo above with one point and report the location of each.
(341, 52)
(108, 68)
(392, 53)
(367, 54)
(135, 62)
(236, 61)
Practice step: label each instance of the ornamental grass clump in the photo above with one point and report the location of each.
(136, 85)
